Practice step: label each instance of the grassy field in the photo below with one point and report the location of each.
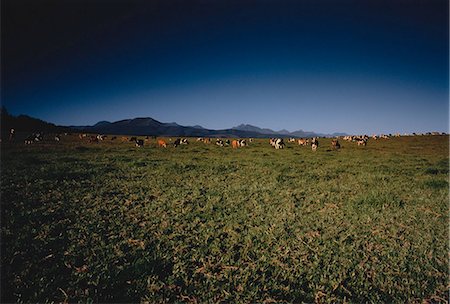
(110, 222)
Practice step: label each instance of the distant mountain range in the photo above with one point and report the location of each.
(151, 127)
(144, 126)
(284, 133)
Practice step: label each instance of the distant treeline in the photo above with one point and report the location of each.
(24, 123)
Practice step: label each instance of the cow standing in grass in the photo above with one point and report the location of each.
(277, 143)
(314, 144)
(162, 143)
(362, 142)
(303, 142)
(139, 143)
(242, 142)
(180, 141)
(12, 134)
(335, 144)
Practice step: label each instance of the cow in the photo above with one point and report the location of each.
(162, 143)
(314, 144)
(133, 139)
(180, 141)
(335, 144)
(242, 142)
(234, 144)
(220, 142)
(279, 143)
(29, 140)
(291, 139)
(362, 142)
(272, 142)
(57, 137)
(303, 142)
(114, 138)
(139, 143)
(204, 140)
(93, 139)
(12, 134)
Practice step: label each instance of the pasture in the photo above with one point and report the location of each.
(111, 222)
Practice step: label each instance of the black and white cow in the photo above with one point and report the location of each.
(180, 141)
(314, 143)
(277, 143)
(139, 142)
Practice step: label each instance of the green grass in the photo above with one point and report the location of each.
(110, 222)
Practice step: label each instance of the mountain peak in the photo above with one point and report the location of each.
(102, 123)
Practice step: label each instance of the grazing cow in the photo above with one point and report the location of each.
(180, 141)
(314, 144)
(362, 142)
(139, 143)
(242, 142)
(220, 142)
(250, 139)
(204, 140)
(162, 143)
(57, 137)
(291, 139)
(93, 138)
(133, 139)
(303, 142)
(279, 143)
(335, 144)
(234, 144)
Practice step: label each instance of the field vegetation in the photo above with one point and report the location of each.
(110, 222)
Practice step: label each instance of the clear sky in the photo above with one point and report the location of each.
(323, 66)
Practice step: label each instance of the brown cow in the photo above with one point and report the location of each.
(303, 142)
(162, 143)
(234, 143)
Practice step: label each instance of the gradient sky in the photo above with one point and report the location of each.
(324, 66)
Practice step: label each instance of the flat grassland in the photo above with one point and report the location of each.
(110, 222)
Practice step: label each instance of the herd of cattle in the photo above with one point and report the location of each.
(277, 143)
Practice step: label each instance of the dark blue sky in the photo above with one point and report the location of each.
(325, 66)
